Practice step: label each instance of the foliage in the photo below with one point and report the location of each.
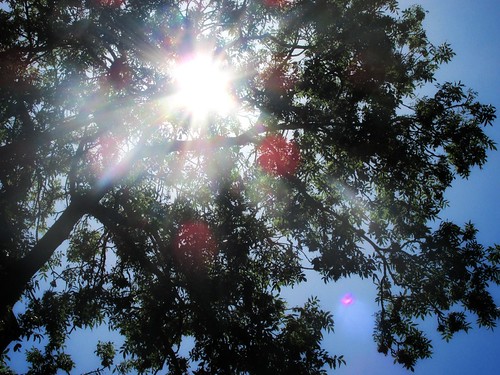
(179, 229)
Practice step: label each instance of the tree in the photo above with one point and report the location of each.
(165, 221)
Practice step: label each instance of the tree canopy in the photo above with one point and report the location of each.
(174, 204)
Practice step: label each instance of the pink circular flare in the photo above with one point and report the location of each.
(347, 299)
(278, 156)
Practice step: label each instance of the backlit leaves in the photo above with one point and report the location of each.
(182, 238)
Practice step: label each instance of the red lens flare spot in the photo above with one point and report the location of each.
(194, 243)
(278, 80)
(275, 3)
(16, 73)
(110, 3)
(347, 299)
(278, 156)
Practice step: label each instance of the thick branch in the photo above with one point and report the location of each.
(119, 226)
(20, 273)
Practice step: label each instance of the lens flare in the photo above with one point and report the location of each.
(347, 299)
(194, 244)
(278, 156)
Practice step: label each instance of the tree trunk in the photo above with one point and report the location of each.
(16, 277)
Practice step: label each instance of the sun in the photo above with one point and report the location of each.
(203, 86)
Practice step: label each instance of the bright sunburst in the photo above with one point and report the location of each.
(203, 86)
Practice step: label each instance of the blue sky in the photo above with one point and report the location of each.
(472, 28)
